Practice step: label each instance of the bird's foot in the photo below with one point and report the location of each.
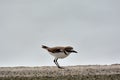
(60, 67)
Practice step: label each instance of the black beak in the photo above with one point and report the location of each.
(74, 51)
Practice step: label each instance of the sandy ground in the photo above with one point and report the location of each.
(51, 71)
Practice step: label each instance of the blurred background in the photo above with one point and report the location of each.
(92, 27)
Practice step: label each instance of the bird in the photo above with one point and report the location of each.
(59, 52)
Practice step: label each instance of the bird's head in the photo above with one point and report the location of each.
(70, 49)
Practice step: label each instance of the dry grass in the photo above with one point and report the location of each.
(81, 72)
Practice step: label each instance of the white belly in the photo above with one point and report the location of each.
(59, 55)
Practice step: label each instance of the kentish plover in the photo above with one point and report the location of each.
(59, 52)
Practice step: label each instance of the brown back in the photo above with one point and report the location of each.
(59, 49)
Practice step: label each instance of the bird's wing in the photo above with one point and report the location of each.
(56, 50)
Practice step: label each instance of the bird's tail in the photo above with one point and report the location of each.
(45, 47)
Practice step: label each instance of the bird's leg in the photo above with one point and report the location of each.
(55, 61)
